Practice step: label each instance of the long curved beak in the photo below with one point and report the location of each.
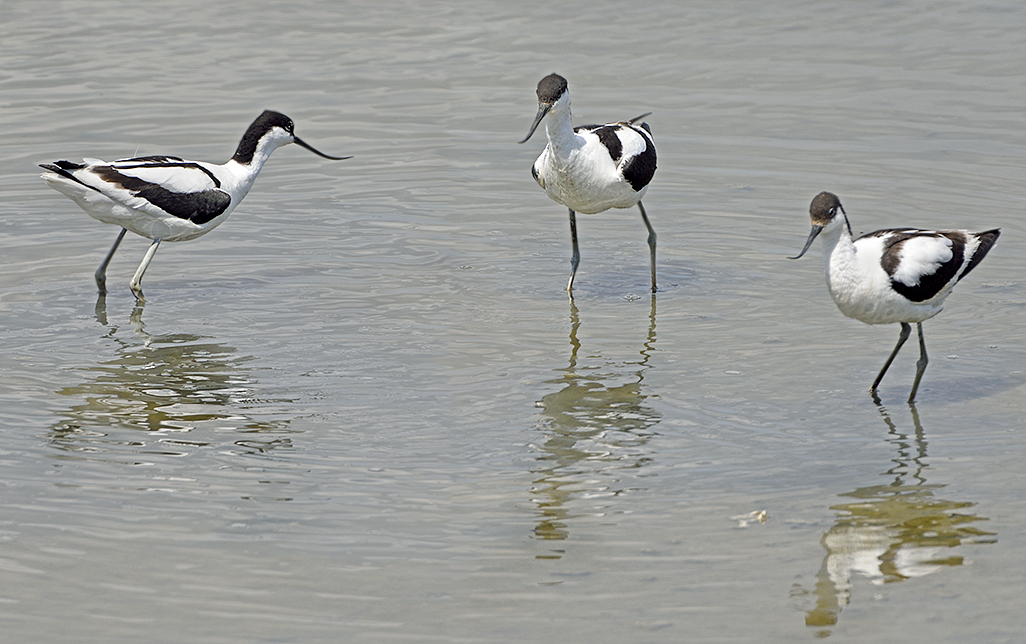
(542, 111)
(815, 231)
(306, 145)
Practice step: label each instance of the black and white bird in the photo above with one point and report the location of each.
(592, 168)
(895, 275)
(166, 198)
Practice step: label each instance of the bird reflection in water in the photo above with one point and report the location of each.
(892, 532)
(162, 389)
(593, 428)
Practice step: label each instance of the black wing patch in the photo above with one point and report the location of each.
(197, 207)
(607, 136)
(930, 284)
(987, 240)
(639, 171)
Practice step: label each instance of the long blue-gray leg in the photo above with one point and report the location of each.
(575, 256)
(905, 330)
(136, 283)
(920, 364)
(651, 243)
(101, 272)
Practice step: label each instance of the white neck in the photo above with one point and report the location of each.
(559, 128)
(836, 237)
(841, 263)
(238, 178)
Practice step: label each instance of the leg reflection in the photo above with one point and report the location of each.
(892, 532)
(595, 426)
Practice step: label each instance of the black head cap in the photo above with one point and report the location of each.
(261, 126)
(824, 207)
(551, 88)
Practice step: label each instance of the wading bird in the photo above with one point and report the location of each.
(591, 168)
(897, 275)
(166, 198)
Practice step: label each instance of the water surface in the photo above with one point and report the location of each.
(364, 410)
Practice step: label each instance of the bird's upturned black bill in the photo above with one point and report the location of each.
(315, 151)
(815, 231)
(542, 111)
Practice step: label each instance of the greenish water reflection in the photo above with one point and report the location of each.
(156, 392)
(891, 532)
(594, 426)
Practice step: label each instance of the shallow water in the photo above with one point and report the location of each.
(363, 408)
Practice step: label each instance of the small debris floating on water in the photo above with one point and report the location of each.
(744, 520)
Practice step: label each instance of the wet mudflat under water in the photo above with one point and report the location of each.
(364, 410)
